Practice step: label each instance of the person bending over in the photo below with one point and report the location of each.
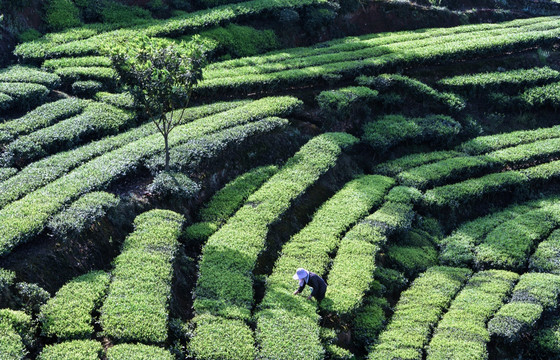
(314, 281)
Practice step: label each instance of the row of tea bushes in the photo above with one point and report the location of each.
(16, 331)
(227, 201)
(22, 219)
(93, 350)
(225, 283)
(292, 68)
(136, 307)
(75, 43)
(25, 74)
(388, 131)
(417, 312)
(68, 315)
(21, 96)
(547, 256)
(283, 316)
(511, 80)
(39, 118)
(97, 120)
(534, 295)
(462, 332)
(407, 162)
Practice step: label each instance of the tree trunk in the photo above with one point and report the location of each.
(165, 136)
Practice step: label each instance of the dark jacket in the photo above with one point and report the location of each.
(319, 286)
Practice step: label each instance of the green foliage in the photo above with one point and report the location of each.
(228, 200)
(71, 74)
(294, 316)
(136, 307)
(72, 350)
(393, 167)
(547, 256)
(510, 81)
(11, 346)
(217, 338)
(6, 101)
(22, 323)
(372, 53)
(418, 310)
(82, 213)
(41, 117)
(417, 90)
(543, 96)
(68, 315)
(485, 144)
(88, 40)
(117, 156)
(121, 100)
(173, 185)
(241, 41)
(24, 74)
(86, 88)
(29, 35)
(61, 14)
(138, 352)
(404, 194)
(369, 320)
(124, 15)
(414, 253)
(97, 120)
(346, 105)
(24, 96)
(462, 333)
(79, 62)
(509, 245)
(532, 296)
(547, 340)
(32, 297)
(160, 78)
(391, 130)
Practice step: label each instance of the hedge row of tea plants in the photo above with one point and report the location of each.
(510, 81)
(72, 350)
(459, 248)
(82, 213)
(535, 294)
(22, 96)
(417, 90)
(547, 256)
(96, 121)
(350, 276)
(485, 144)
(283, 316)
(465, 167)
(138, 352)
(88, 41)
(25, 74)
(225, 283)
(85, 61)
(215, 147)
(510, 244)
(121, 100)
(6, 173)
(227, 201)
(388, 131)
(417, 312)
(542, 96)
(136, 307)
(462, 332)
(548, 338)
(41, 117)
(69, 314)
(105, 75)
(16, 331)
(461, 197)
(24, 218)
(292, 72)
(404, 163)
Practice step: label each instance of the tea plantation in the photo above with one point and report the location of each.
(408, 152)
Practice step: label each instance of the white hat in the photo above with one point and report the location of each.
(301, 273)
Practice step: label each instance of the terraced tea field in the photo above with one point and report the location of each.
(416, 171)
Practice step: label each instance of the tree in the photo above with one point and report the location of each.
(160, 75)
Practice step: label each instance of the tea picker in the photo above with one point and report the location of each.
(313, 280)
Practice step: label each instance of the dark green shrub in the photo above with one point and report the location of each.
(346, 107)
(117, 13)
(29, 35)
(173, 185)
(241, 41)
(32, 296)
(72, 350)
(86, 88)
(62, 14)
